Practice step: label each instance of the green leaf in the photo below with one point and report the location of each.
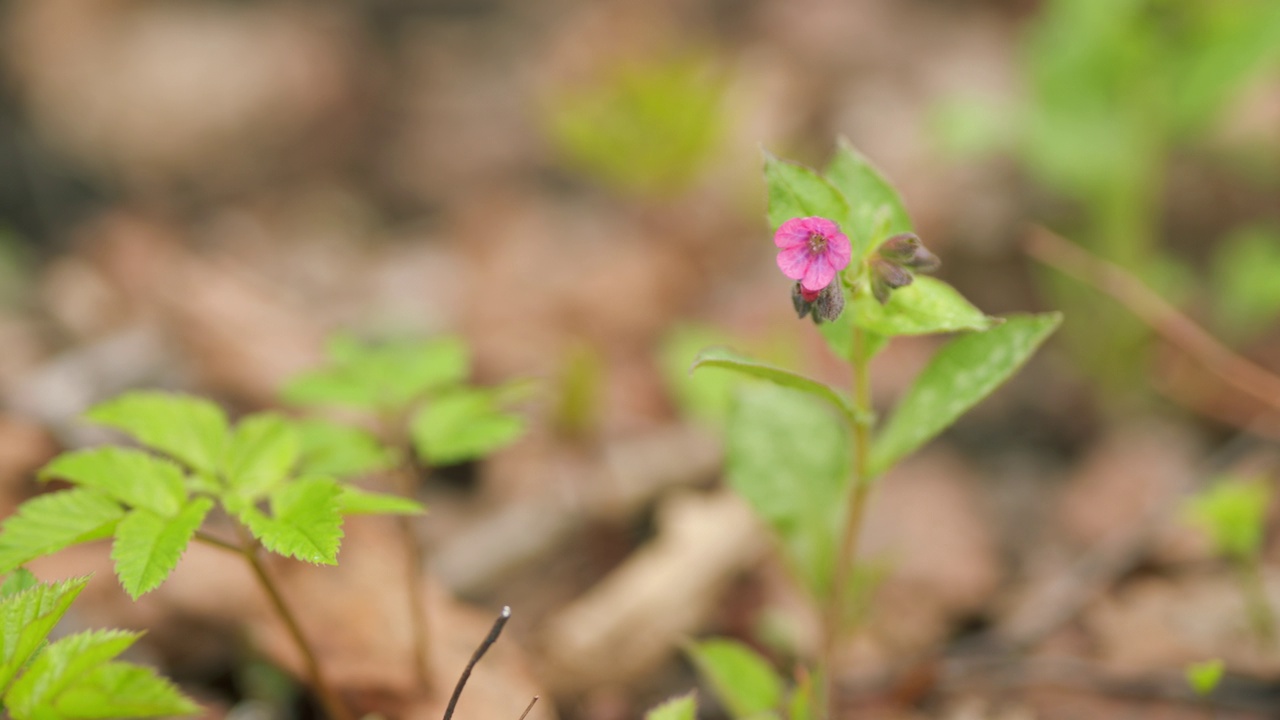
(682, 707)
(27, 618)
(340, 451)
(355, 501)
(390, 376)
(148, 546)
(1234, 513)
(51, 522)
(789, 456)
(74, 678)
(133, 477)
(743, 680)
(190, 429)
(724, 358)
(263, 450)
(1204, 677)
(959, 376)
(708, 395)
(464, 425)
(801, 705)
(878, 211)
(926, 306)
(797, 191)
(305, 521)
(19, 580)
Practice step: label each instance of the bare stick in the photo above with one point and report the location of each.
(489, 640)
(1175, 327)
(527, 708)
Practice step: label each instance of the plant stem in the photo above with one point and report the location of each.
(249, 551)
(393, 425)
(833, 621)
(1256, 602)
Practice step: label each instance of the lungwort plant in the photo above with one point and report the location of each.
(278, 480)
(806, 454)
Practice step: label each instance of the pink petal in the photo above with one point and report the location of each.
(794, 262)
(823, 226)
(819, 274)
(792, 233)
(838, 250)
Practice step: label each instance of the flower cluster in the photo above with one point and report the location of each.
(813, 251)
(893, 264)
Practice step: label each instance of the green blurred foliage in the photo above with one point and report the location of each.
(647, 127)
(1246, 281)
(1233, 512)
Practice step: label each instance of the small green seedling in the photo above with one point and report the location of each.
(76, 676)
(806, 454)
(1233, 512)
(1203, 677)
(277, 478)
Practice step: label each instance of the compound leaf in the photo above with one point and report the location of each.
(264, 449)
(51, 522)
(305, 521)
(464, 425)
(191, 429)
(27, 618)
(340, 451)
(133, 477)
(356, 501)
(148, 546)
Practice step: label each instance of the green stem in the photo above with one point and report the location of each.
(1256, 602)
(249, 551)
(833, 620)
(406, 484)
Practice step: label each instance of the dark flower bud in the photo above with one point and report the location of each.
(798, 301)
(830, 303)
(887, 277)
(905, 249)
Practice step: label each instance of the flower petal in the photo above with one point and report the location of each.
(839, 250)
(819, 274)
(794, 262)
(822, 226)
(792, 233)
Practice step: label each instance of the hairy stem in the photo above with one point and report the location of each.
(249, 551)
(833, 620)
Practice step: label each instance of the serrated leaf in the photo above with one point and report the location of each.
(877, 209)
(190, 429)
(355, 501)
(464, 425)
(148, 546)
(682, 707)
(60, 666)
(18, 580)
(305, 521)
(339, 451)
(745, 682)
(133, 477)
(46, 524)
(382, 377)
(958, 377)
(924, 307)
(725, 358)
(27, 618)
(263, 450)
(789, 456)
(797, 191)
(121, 689)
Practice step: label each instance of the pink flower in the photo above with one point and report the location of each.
(813, 250)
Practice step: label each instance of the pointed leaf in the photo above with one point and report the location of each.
(46, 524)
(958, 377)
(682, 707)
(878, 211)
(120, 689)
(19, 580)
(797, 191)
(725, 358)
(464, 425)
(305, 521)
(382, 377)
(27, 618)
(60, 666)
(925, 306)
(263, 450)
(339, 451)
(789, 456)
(133, 477)
(190, 429)
(148, 546)
(355, 501)
(744, 681)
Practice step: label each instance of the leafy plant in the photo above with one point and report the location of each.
(416, 394)
(76, 676)
(805, 454)
(266, 472)
(1233, 512)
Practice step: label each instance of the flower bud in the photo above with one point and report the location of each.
(906, 250)
(830, 303)
(886, 277)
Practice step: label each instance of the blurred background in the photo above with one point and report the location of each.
(194, 195)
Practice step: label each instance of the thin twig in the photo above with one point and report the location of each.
(527, 708)
(1175, 327)
(488, 642)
